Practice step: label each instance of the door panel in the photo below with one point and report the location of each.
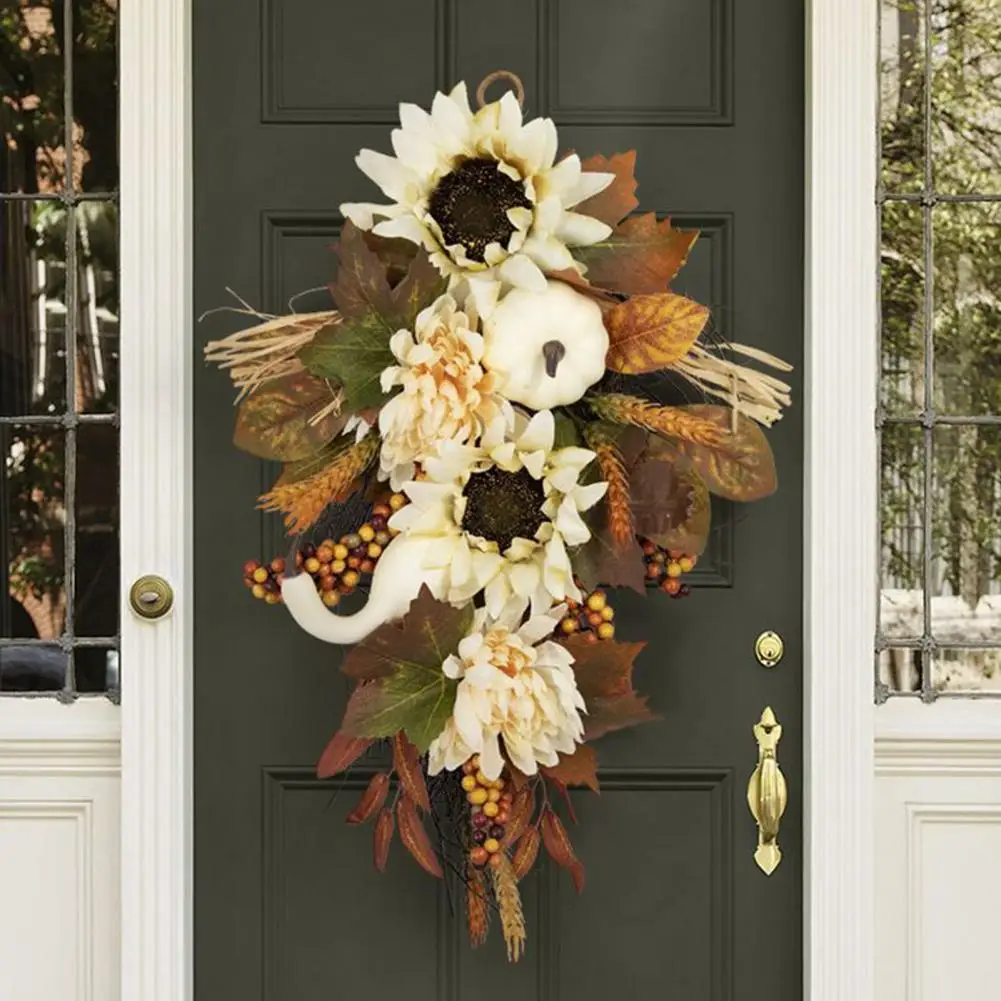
(287, 905)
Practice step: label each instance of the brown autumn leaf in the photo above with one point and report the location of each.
(371, 799)
(341, 753)
(557, 842)
(604, 675)
(407, 763)
(670, 500)
(415, 837)
(642, 256)
(577, 769)
(522, 808)
(580, 284)
(743, 467)
(279, 419)
(613, 204)
(526, 852)
(382, 837)
(647, 333)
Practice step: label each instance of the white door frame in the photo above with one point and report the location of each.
(840, 469)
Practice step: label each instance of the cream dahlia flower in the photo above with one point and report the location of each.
(515, 686)
(502, 515)
(445, 394)
(483, 194)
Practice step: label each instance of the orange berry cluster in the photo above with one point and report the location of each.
(664, 568)
(489, 809)
(337, 568)
(592, 618)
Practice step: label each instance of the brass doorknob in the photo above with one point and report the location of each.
(151, 597)
(767, 795)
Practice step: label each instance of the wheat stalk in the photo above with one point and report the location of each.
(672, 421)
(304, 501)
(512, 917)
(477, 906)
(621, 526)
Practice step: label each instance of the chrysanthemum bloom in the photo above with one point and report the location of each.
(483, 194)
(512, 688)
(502, 516)
(445, 394)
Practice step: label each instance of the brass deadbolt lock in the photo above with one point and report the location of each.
(768, 648)
(151, 597)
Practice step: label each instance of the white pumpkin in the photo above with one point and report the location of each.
(547, 348)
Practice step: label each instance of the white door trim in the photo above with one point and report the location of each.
(840, 272)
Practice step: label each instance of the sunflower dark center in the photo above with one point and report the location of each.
(470, 205)
(502, 506)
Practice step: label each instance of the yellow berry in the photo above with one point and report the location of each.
(351, 578)
(686, 563)
(673, 569)
(468, 783)
(338, 566)
(493, 795)
(340, 551)
(492, 845)
(597, 601)
(330, 598)
(498, 784)
(490, 809)
(569, 625)
(258, 591)
(477, 797)
(272, 599)
(367, 532)
(483, 780)
(608, 613)
(260, 575)
(374, 550)
(397, 501)
(312, 565)
(606, 631)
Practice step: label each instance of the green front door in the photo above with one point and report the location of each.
(287, 905)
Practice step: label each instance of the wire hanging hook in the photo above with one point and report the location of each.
(491, 78)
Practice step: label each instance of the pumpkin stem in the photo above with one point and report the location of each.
(553, 352)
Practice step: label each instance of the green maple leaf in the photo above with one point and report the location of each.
(403, 686)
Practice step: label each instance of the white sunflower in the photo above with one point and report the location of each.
(502, 516)
(516, 686)
(483, 194)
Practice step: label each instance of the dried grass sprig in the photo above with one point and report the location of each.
(304, 501)
(267, 351)
(674, 422)
(512, 917)
(477, 906)
(621, 525)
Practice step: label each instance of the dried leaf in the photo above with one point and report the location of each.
(371, 799)
(557, 842)
(577, 769)
(601, 561)
(407, 763)
(477, 906)
(288, 418)
(382, 837)
(361, 287)
(526, 852)
(670, 500)
(604, 675)
(415, 838)
(408, 690)
(522, 808)
(650, 332)
(613, 204)
(340, 754)
(567, 798)
(642, 256)
(742, 468)
(580, 284)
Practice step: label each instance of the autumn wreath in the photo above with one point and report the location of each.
(475, 432)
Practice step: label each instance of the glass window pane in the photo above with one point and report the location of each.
(34, 668)
(97, 316)
(902, 293)
(966, 96)
(967, 308)
(95, 94)
(31, 96)
(902, 95)
(899, 668)
(32, 308)
(968, 670)
(96, 669)
(31, 485)
(96, 572)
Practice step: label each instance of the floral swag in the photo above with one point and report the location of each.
(476, 431)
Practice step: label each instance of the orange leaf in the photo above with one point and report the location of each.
(382, 837)
(613, 204)
(642, 256)
(577, 769)
(651, 332)
(371, 799)
(341, 753)
(415, 838)
(407, 762)
(557, 842)
(522, 808)
(526, 852)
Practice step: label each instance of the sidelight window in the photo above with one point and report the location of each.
(59, 343)
(939, 411)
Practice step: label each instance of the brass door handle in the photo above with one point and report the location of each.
(767, 795)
